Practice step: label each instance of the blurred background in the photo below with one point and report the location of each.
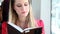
(42, 10)
(55, 17)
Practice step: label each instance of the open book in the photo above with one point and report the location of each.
(14, 29)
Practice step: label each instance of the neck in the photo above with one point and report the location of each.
(21, 22)
(22, 19)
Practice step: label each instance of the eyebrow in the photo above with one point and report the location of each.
(26, 2)
(20, 3)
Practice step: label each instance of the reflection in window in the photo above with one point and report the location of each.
(55, 17)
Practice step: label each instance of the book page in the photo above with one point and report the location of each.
(15, 26)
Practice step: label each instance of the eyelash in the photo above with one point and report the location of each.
(18, 6)
(25, 4)
(21, 5)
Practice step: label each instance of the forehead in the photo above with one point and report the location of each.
(21, 1)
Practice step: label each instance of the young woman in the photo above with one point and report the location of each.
(20, 14)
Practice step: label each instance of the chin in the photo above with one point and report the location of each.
(24, 15)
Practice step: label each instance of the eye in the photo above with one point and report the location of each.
(19, 5)
(26, 4)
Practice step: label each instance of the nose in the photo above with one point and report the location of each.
(23, 8)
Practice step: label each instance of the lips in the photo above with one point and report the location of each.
(23, 12)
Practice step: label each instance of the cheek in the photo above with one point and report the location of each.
(27, 9)
(16, 8)
(18, 11)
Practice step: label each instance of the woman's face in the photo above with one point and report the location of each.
(21, 7)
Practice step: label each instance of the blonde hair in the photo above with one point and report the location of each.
(13, 17)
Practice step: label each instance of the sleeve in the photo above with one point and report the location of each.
(4, 28)
(0, 27)
(41, 24)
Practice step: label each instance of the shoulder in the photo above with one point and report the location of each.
(4, 23)
(39, 23)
